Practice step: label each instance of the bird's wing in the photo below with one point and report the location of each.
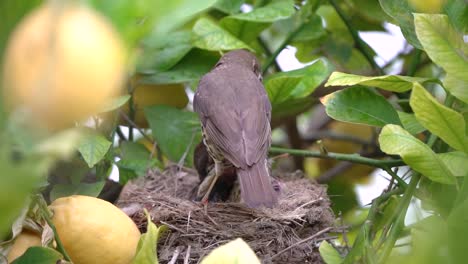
(237, 122)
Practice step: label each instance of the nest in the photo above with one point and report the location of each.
(288, 233)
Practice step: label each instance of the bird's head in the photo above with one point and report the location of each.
(244, 58)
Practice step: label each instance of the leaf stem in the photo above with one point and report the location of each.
(395, 176)
(46, 214)
(339, 156)
(360, 44)
(400, 220)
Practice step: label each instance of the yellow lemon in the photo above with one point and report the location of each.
(23, 241)
(235, 252)
(63, 61)
(94, 231)
(153, 94)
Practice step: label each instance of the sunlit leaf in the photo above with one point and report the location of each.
(410, 123)
(329, 253)
(360, 105)
(229, 6)
(93, 148)
(210, 36)
(115, 103)
(445, 47)
(147, 246)
(457, 87)
(39, 255)
(271, 12)
(456, 162)
(394, 140)
(176, 131)
(442, 121)
(402, 13)
(395, 83)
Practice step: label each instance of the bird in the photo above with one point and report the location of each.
(235, 114)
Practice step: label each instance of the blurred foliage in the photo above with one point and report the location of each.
(420, 119)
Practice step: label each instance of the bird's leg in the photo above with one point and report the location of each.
(218, 170)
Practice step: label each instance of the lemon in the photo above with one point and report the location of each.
(23, 241)
(235, 252)
(63, 61)
(94, 231)
(153, 94)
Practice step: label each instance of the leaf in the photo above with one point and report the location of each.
(296, 84)
(210, 36)
(115, 103)
(177, 132)
(394, 83)
(442, 121)
(229, 6)
(410, 123)
(130, 168)
(39, 255)
(456, 162)
(93, 148)
(289, 91)
(457, 230)
(394, 140)
(329, 253)
(88, 189)
(147, 246)
(444, 46)
(162, 53)
(271, 12)
(457, 87)
(194, 65)
(247, 31)
(401, 12)
(457, 12)
(236, 251)
(360, 105)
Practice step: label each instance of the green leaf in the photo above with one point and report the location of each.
(394, 83)
(444, 46)
(360, 105)
(410, 123)
(457, 12)
(147, 246)
(130, 168)
(288, 91)
(210, 36)
(457, 87)
(457, 230)
(115, 103)
(329, 253)
(402, 13)
(442, 121)
(177, 132)
(162, 53)
(394, 140)
(229, 6)
(271, 12)
(190, 68)
(88, 189)
(93, 148)
(456, 162)
(247, 31)
(39, 255)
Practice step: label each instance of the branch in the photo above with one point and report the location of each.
(360, 44)
(355, 158)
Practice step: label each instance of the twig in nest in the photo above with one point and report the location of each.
(174, 256)
(187, 255)
(302, 241)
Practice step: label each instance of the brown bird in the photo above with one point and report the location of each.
(235, 113)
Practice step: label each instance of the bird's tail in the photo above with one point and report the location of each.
(256, 186)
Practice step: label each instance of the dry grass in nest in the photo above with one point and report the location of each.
(288, 233)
